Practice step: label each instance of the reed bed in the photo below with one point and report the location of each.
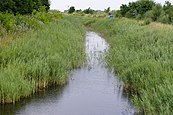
(41, 58)
(142, 56)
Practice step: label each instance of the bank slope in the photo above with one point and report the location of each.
(41, 58)
(142, 56)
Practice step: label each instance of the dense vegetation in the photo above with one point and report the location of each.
(141, 55)
(148, 10)
(142, 58)
(85, 11)
(40, 58)
(37, 48)
(23, 6)
(10, 23)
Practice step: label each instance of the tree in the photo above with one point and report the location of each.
(133, 9)
(107, 10)
(88, 11)
(168, 8)
(46, 3)
(157, 10)
(144, 6)
(7, 5)
(78, 11)
(71, 10)
(23, 6)
(167, 5)
(118, 14)
(124, 9)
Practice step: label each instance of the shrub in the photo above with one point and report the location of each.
(147, 22)
(129, 14)
(71, 10)
(20, 23)
(149, 15)
(118, 14)
(41, 15)
(8, 21)
(164, 18)
(139, 17)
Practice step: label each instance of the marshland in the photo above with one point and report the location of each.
(84, 62)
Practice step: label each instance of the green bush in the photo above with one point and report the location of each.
(118, 14)
(149, 15)
(139, 17)
(8, 21)
(164, 18)
(22, 23)
(147, 22)
(41, 15)
(129, 14)
(25, 23)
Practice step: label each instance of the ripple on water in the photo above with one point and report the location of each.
(92, 90)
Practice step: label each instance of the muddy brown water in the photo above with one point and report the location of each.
(92, 90)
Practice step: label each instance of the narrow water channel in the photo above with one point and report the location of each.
(92, 90)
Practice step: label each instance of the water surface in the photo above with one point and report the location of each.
(92, 90)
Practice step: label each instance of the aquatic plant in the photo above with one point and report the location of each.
(40, 58)
(142, 57)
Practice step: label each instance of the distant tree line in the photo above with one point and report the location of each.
(86, 11)
(23, 6)
(147, 9)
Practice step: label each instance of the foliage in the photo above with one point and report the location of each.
(136, 8)
(23, 6)
(142, 58)
(41, 15)
(118, 14)
(156, 10)
(147, 22)
(7, 21)
(123, 9)
(143, 9)
(10, 23)
(164, 18)
(107, 10)
(168, 8)
(41, 58)
(88, 11)
(71, 10)
(46, 3)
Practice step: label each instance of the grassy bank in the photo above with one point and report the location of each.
(143, 58)
(40, 58)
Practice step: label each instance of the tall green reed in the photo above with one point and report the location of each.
(143, 58)
(41, 58)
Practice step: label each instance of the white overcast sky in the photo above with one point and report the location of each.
(94, 4)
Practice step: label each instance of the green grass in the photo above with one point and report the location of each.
(40, 58)
(143, 58)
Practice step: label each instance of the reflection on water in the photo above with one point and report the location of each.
(92, 90)
(43, 96)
